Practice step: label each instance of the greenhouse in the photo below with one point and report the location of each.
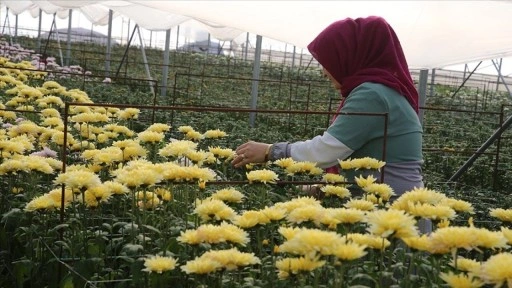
(121, 121)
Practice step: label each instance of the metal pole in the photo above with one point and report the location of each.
(39, 30)
(255, 80)
(145, 59)
(499, 73)
(16, 26)
(68, 49)
(481, 150)
(422, 91)
(293, 57)
(177, 36)
(491, 139)
(432, 82)
(502, 79)
(465, 79)
(246, 46)
(165, 69)
(109, 43)
(58, 39)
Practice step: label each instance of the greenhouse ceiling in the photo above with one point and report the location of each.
(434, 34)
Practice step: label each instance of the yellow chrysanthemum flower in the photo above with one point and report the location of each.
(223, 153)
(159, 127)
(78, 180)
(284, 162)
(193, 135)
(333, 178)
(418, 195)
(334, 216)
(340, 191)
(159, 264)
(428, 211)
(214, 234)
(360, 204)
(310, 242)
(446, 240)
(508, 234)
(297, 265)
(116, 188)
(177, 148)
(420, 243)
(150, 136)
(292, 204)
(213, 260)
(349, 251)
(368, 240)
(201, 266)
(362, 181)
(274, 213)
(96, 195)
(304, 214)
(466, 265)
(43, 202)
(380, 190)
(119, 129)
(143, 176)
(197, 157)
(185, 129)
(458, 205)
(212, 209)
(228, 195)
(250, 219)
(502, 214)
(214, 134)
(394, 223)
(460, 280)
(497, 269)
(289, 232)
(264, 176)
(163, 194)
(128, 113)
(361, 163)
(490, 239)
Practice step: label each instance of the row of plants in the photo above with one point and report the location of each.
(101, 199)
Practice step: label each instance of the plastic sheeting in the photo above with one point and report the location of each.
(434, 34)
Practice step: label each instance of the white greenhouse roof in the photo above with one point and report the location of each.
(434, 34)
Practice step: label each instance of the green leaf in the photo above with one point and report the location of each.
(132, 250)
(60, 226)
(151, 228)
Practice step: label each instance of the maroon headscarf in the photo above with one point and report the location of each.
(361, 50)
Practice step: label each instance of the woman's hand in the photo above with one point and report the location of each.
(250, 152)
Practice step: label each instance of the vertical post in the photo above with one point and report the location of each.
(293, 57)
(255, 80)
(177, 36)
(209, 41)
(246, 46)
(38, 48)
(165, 68)
(422, 90)
(432, 82)
(499, 73)
(68, 47)
(16, 26)
(57, 35)
(145, 59)
(128, 31)
(109, 43)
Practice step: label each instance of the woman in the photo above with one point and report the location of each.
(364, 60)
